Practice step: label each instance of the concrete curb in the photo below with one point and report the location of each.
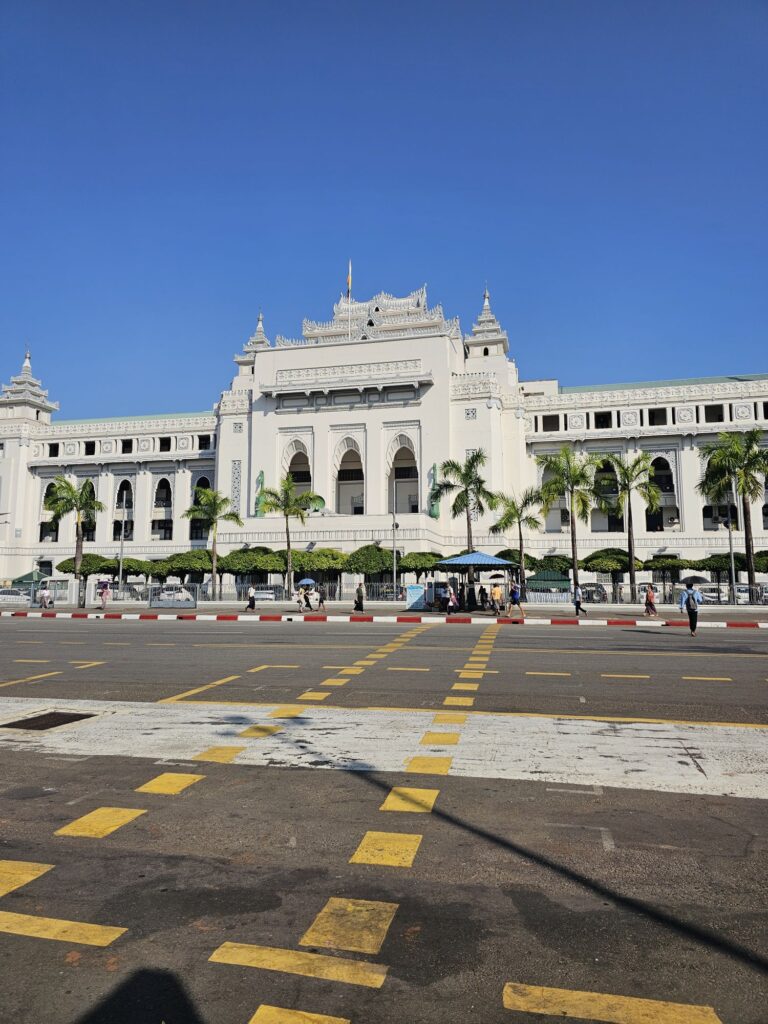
(452, 620)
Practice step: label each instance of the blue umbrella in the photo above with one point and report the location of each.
(306, 583)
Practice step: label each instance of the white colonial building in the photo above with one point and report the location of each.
(363, 409)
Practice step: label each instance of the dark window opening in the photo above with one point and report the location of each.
(406, 473)
(301, 476)
(347, 475)
(615, 524)
(165, 444)
(90, 447)
(204, 442)
(163, 494)
(765, 410)
(126, 447)
(714, 414)
(485, 351)
(198, 530)
(53, 450)
(657, 417)
(89, 532)
(117, 527)
(603, 420)
(49, 532)
(370, 324)
(162, 529)
(550, 422)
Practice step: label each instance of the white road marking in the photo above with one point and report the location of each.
(627, 755)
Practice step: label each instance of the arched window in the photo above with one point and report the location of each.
(50, 490)
(485, 351)
(163, 495)
(350, 483)
(608, 485)
(203, 483)
(300, 471)
(403, 483)
(124, 495)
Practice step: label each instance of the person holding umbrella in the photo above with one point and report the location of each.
(306, 586)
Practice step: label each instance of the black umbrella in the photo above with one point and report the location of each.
(695, 579)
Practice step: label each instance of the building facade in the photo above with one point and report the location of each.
(363, 409)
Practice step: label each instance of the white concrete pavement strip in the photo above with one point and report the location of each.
(711, 759)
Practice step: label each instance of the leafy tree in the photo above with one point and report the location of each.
(249, 561)
(572, 476)
(618, 555)
(65, 498)
(513, 555)
(668, 566)
(736, 462)
(720, 565)
(186, 562)
(420, 562)
(555, 563)
(369, 560)
(471, 497)
(211, 508)
(517, 513)
(90, 565)
(633, 476)
(285, 501)
(159, 569)
(320, 562)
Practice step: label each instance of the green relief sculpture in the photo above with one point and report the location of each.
(259, 507)
(434, 503)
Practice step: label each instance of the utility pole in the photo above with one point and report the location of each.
(122, 541)
(395, 527)
(730, 545)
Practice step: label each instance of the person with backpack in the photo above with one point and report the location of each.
(690, 599)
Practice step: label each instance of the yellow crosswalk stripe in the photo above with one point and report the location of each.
(279, 1015)
(608, 1009)
(429, 765)
(410, 799)
(310, 965)
(441, 739)
(169, 783)
(356, 926)
(58, 930)
(100, 823)
(390, 849)
(219, 755)
(15, 873)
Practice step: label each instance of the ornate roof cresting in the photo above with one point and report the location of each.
(487, 329)
(25, 389)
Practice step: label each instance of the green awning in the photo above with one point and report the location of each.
(31, 577)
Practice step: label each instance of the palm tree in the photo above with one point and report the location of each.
(285, 501)
(471, 497)
(572, 477)
(632, 475)
(734, 463)
(211, 508)
(65, 497)
(518, 512)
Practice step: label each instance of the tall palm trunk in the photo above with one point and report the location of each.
(521, 549)
(79, 560)
(574, 554)
(631, 551)
(214, 561)
(749, 547)
(470, 546)
(289, 557)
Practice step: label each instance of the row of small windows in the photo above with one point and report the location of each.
(205, 442)
(653, 417)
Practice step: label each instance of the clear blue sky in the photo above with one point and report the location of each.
(168, 168)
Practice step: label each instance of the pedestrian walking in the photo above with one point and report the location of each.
(45, 597)
(578, 596)
(251, 606)
(462, 597)
(360, 597)
(483, 594)
(514, 599)
(690, 599)
(497, 599)
(650, 602)
(453, 602)
(322, 593)
(300, 598)
(103, 593)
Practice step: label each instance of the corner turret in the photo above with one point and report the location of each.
(24, 398)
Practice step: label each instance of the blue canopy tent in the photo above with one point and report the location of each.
(473, 560)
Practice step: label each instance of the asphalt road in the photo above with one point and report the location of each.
(568, 899)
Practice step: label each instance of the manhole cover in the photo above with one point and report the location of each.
(48, 720)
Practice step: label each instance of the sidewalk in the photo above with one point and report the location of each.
(755, 616)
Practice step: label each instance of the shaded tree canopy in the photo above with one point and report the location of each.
(369, 560)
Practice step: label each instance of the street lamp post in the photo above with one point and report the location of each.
(395, 528)
(122, 541)
(730, 548)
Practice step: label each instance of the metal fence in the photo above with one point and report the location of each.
(179, 597)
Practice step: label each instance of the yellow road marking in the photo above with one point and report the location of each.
(547, 673)
(410, 799)
(439, 739)
(313, 695)
(365, 663)
(198, 689)
(32, 661)
(15, 873)
(258, 732)
(60, 931)
(356, 926)
(711, 679)
(116, 643)
(376, 657)
(449, 718)
(150, 644)
(429, 765)
(334, 682)
(260, 668)
(465, 686)
(30, 679)
(595, 1006)
(100, 823)
(169, 783)
(87, 664)
(278, 1015)
(220, 755)
(391, 849)
(458, 702)
(288, 711)
(620, 675)
(310, 965)
(391, 668)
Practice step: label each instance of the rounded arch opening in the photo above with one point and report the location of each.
(163, 493)
(403, 482)
(124, 495)
(350, 482)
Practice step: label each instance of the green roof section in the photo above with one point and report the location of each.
(736, 378)
(129, 419)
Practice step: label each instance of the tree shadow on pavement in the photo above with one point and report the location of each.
(148, 997)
